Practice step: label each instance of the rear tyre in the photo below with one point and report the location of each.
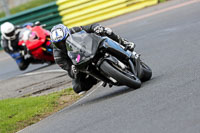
(123, 77)
(146, 72)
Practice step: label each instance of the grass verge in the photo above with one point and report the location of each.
(17, 113)
(26, 6)
(162, 0)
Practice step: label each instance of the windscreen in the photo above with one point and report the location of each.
(27, 34)
(81, 47)
(24, 34)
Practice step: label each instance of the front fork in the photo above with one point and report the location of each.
(120, 52)
(136, 69)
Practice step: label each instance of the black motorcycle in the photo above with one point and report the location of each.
(106, 60)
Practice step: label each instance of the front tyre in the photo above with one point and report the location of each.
(123, 77)
(146, 72)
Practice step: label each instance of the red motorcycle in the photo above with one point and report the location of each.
(36, 40)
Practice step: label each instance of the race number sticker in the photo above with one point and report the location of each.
(57, 35)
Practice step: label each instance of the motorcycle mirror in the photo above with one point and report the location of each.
(37, 23)
(43, 25)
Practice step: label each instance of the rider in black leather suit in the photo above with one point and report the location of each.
(9, 42)
(82, 82)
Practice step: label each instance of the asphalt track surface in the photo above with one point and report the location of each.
(9, 69)
(169, 41)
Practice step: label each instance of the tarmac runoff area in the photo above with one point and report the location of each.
(28, 84)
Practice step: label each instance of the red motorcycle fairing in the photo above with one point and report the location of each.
(36, 42)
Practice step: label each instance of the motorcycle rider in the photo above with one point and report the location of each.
(81, 82)
(9, 42)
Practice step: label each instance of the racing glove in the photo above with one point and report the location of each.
(98, 29)
(102, 30)
(74, 71)
(128, 45)
(25, 52)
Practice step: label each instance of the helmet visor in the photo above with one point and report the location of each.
(10, 34)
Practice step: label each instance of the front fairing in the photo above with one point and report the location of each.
(24, 34)
(32, 37)
(81, 47)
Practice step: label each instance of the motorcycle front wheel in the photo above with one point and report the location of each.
(123, 77)
(146, 72)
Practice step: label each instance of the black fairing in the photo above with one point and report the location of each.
(82, 47)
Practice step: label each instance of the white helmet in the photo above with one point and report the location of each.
(8, 31)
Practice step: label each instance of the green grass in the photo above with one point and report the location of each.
(17, 113)
(162, 0)
(26, 6)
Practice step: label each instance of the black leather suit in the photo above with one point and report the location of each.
(82, 82)
(11, 47)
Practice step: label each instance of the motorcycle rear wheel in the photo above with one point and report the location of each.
(124, 78)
